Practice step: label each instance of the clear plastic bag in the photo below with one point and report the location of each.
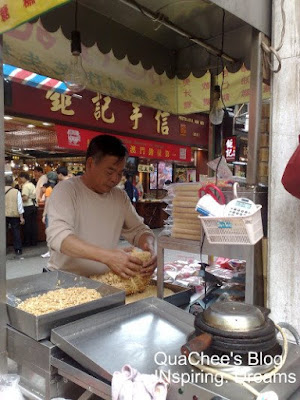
(9, 387)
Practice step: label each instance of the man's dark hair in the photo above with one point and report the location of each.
(24, 175)
(106, 145)
(8, 180)
(62, 170)
(39, 169)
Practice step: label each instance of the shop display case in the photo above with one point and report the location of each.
(251, 254)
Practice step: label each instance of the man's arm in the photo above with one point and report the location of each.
(119, 261)
(20, 208)
(139, 234)
(25, 193)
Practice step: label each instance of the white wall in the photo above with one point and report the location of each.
(284, 209)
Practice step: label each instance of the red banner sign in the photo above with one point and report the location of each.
(106, 114)
(230, 148)
(74, 138)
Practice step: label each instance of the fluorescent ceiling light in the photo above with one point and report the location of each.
(7, 117)
(30, 126)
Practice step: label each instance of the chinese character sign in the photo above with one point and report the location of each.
(102, 109)
(78, 138)
(162, 126)
(230, 149)
(16, 12)
(135, 115)
(146, 168)
(60, 102)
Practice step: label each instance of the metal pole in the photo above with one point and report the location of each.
(211, 133)
(254, 107)
(160, 270)
(3, 314)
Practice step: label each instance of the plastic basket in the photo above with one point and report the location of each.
(234, 230)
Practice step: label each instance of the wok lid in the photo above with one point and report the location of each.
(234, 317)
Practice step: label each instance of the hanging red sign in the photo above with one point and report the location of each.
(230, 148)
(79, 139)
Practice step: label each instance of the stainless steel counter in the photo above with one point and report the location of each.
(54, 374)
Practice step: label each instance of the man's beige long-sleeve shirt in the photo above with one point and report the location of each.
(98, 219)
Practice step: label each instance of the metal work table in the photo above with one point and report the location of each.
(55, 374)
(252, 255)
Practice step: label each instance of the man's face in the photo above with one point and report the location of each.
(105, 174)
(37, 175)
(22, 179)
(60, 177)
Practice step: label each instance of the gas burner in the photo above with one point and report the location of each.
(240, 333)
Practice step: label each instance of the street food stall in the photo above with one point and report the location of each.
(74, 352)
(154, 337)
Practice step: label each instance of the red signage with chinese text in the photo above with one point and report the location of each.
(99, 112)
(77, 138)
(230, 148)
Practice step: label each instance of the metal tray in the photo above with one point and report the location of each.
(39, 327)
(180, 298)
(130, 334)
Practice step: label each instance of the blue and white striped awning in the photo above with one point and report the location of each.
(24, 77)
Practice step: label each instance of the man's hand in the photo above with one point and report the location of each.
(150, 266)
(44, 220)
(122, 263)
(22, 220)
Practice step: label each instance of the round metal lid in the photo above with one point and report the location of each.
(233, 316)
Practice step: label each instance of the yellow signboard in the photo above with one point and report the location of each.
(194, 93)
(16, 12)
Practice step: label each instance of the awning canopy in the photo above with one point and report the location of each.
(136, 51)
(137, 30)
(32, 79)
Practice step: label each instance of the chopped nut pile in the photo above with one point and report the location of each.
(133, 285)
(56, 300)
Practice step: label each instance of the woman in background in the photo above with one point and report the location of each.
(139, 187)
(48, 188)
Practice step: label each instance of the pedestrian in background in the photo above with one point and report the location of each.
(41, 179)
(62, 173)
(14, 212)
(128, 186)
(140, 187)
(52, 181)
(30, 210)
